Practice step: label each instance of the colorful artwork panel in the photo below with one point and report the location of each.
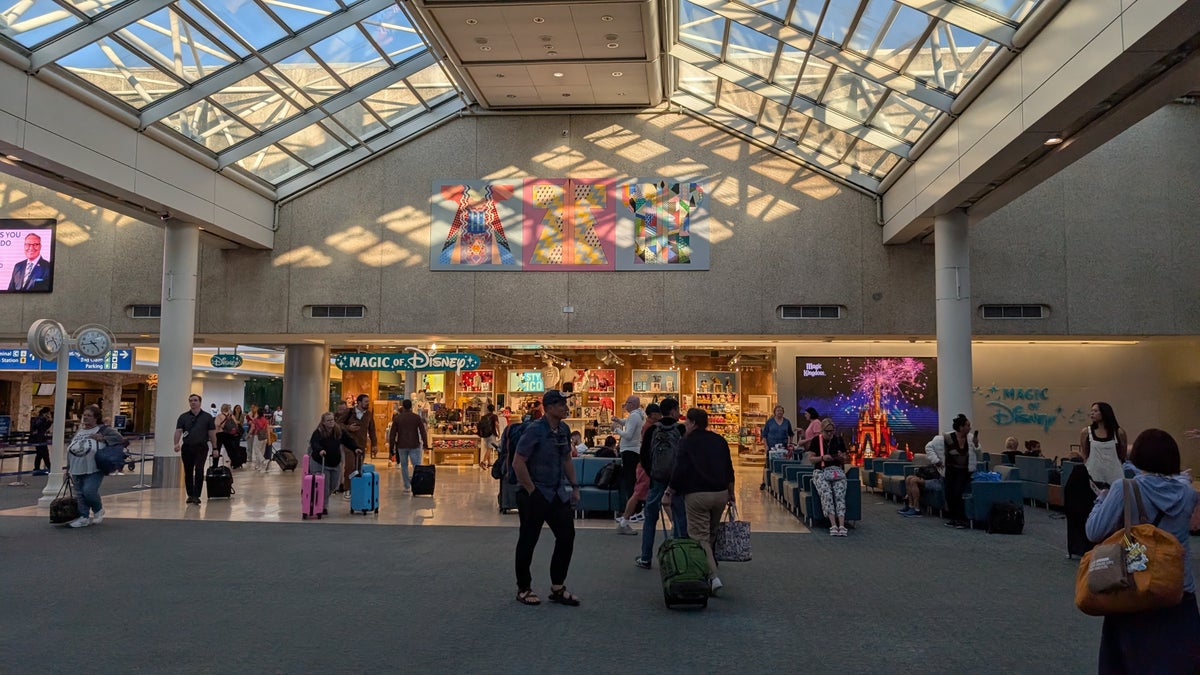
(569, 224)
(660, 226)
(475, 225)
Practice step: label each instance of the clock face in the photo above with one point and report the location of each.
(93, 341)
(46, 339)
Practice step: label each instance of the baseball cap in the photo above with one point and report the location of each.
(553, 396)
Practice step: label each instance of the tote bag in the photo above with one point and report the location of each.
(733, 538)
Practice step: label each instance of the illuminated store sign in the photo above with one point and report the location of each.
(416, 359)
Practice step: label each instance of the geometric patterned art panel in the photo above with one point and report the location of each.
(475, 225)
(569, 224)
(564, 224)
(659, 226)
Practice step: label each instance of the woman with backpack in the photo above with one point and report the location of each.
(81, 467)
(227, 435)
(1162, 640)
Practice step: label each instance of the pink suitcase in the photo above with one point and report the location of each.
(312, 492)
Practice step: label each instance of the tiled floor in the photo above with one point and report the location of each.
(464, 496)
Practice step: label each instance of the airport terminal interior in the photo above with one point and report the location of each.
(886, 212)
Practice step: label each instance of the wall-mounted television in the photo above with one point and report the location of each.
(27, 255)
(45, 389)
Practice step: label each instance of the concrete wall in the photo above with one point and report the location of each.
(1107, 244)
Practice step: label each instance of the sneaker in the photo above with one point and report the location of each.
(906, 511)
(914, 513)
(98, 517)
(624, 528)
(715, 585)
(407, 489)
(833, 532)
(960, 525)
(644, 564)
(81, 521)
(637, 517)
(842, 531)
(40, 472)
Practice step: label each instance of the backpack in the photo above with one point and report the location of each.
(229, 426)
(1006, 518)
(663, 446)
(486, 426)
(607, 477)
(508, 450)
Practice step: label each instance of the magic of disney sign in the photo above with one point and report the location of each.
(1021, 406)
(414, 359)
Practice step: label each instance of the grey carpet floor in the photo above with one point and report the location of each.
(897, 595)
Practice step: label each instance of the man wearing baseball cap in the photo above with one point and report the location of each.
(547, 494)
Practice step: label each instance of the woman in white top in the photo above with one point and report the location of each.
(81, 464)
(1104, 445)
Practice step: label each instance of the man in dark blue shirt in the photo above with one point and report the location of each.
(547, 494)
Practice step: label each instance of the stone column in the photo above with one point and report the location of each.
(305, 393)
(951, 257)
(181, 262)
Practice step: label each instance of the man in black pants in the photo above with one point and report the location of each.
(547, 494)
(39, 434)
(195, 437)
(630, 430)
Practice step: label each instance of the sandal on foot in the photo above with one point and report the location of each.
(528, 597)
(563, 597)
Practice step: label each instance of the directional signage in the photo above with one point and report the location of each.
(415, 360)
(23, 359)
(226, 361)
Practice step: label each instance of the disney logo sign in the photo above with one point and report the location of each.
(417, 359)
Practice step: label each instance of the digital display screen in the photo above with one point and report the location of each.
(525, 381)
(26, 255)
(45, 389)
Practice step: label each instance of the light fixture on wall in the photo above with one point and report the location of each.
(613, 358)
(1053, 140)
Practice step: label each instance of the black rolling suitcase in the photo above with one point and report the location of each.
(219, 482)
(424, 478)
(285, 459)
(508, 494)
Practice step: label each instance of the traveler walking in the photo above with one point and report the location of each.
(361, 424)
(195, 437)
(325, 451)
(547, 494)
(629, 432)
(703, 481)
(408, 438)
(660, 445)
(81, 464)
(39, 436)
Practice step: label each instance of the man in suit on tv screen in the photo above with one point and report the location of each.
(32, 273)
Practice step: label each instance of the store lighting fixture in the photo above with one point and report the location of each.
(1053, 140)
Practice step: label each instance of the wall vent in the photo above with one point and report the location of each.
(1014, 311)
(810, 311)
(337, 311)
(144, 311)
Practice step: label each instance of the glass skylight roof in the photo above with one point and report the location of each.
(278, 88)
(847, 85)
(289, 91)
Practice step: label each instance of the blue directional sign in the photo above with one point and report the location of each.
(23, 359)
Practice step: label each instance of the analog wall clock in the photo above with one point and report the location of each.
(46, 338)
(93, 340)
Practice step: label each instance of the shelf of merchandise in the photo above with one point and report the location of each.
(454, 448)
(724, 414)
(752, 448)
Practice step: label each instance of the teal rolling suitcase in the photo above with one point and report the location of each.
(364, 490)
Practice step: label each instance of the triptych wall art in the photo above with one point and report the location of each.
(565, 224)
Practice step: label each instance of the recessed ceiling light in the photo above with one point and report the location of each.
(551, 53)
(566, 95)
(510, 96)
(484, 48)
(558, 74)
(472, 22)
(612, 45)
(499, 74)
(606, 18)
(547, 47)
(546, 38)
(538, 19)
(617, 73)
(612, 37)
(481, 41)
(1053, 140)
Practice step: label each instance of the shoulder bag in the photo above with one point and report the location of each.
(1105, 585)
(64, 508)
